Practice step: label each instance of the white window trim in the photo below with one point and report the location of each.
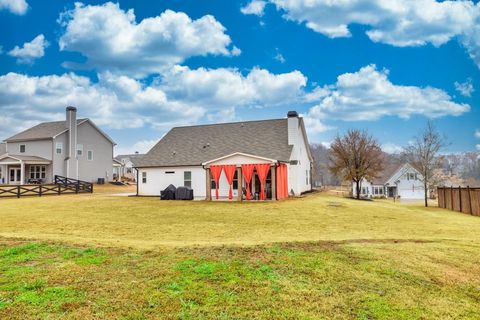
(90, 152)
(144, 177)
(58, 146)
(80, 149)
(24, 148)
(185, 180)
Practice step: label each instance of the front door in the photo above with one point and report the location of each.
(15, 176)
(392, 192)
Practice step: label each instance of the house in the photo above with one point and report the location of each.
(398, 180)
(74, 148)
(124, 166)
(266, 159)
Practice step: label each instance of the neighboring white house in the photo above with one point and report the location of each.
(124, 166)
(187, 156)
(401, 180)
(73, 148)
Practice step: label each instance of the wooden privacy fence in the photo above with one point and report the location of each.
(62, 185)
(466, 200)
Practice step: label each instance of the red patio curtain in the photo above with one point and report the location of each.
(247, 171)
(282, 181)
(262, 172)
(216, 172)
(230, 173)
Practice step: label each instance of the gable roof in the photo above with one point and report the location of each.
(49, 130)
(194, 145)
(134, 158)
(391, 171)
(44, 130)
(387, 173)
(3, 148)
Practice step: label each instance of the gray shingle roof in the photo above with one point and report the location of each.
(134, 158)
(194, 145)
(45, 130)
(28, 158)
(387, 173)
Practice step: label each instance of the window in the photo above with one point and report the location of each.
(363, 190)
(90, 155)
(79, 150)
(213, 184)
(129, 170)
(38, 172)
(187, 179)
(144, 177)
(380, 190)
(22, 148)
(235, 181)
(59, 148)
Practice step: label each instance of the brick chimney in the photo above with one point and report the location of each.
(71, 148)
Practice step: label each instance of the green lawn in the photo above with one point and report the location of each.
(98, 256)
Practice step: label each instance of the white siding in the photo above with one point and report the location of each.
(410, 189)
(158, 179)
(297, 173)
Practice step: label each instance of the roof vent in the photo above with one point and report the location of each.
(292, 114)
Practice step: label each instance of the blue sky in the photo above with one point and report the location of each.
(139, 68)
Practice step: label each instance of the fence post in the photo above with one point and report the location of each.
(40, 191)
(451, 198)
(18, 191)
(59, 189)
(469, 200)
(77, 186)
(460, 197)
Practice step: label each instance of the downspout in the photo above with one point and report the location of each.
(138, 181)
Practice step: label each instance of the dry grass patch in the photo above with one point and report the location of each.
(147, 223)
(319, 257)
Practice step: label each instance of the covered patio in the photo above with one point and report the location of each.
(240, 176)
(20, 169)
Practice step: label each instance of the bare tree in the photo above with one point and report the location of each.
(356, 156)
(422, 154)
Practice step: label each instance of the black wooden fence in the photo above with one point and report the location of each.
(61, 185)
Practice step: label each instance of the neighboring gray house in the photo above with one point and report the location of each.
(73, 148)
(124, 166)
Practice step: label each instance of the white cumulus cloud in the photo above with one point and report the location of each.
(30, 50)
(19, 7)
(180, 97)
(255, 7)
(368, 94)
(113, 40)
(395, 22)
(391, 148)
(477, 133)
(228, 87)
(466, 88)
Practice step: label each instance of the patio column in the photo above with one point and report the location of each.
(22, 172)
(274, 182)
(208, 186)
(239, 184)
